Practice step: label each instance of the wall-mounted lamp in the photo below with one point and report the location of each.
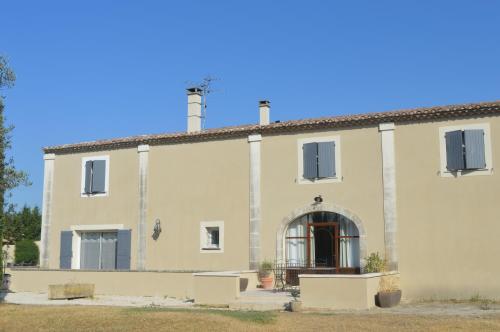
(156, 229)
(318, 199)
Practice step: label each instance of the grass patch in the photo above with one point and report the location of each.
(259, 317)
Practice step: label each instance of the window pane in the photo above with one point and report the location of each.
(108, 251)
(349, 252)
(215, 237)
(347, 227)
(89, 258)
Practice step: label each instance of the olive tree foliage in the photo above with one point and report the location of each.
(10, 177)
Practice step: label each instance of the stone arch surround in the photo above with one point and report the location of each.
(320, 207)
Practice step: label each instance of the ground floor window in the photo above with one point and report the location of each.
(325, 241)
(212, 236)
(98, 250)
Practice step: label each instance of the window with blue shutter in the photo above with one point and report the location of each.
(95, 177)
(99, 176)
(465, 150)
(66, 250)
(474, 149)
(454, 150)
(124, 240)
(318, 160)
(310, 160)
(326, 159)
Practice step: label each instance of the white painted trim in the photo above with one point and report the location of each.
(254, 138)
(49, 156)
(347, 276)
(255, 201)
(444, 172)
(100, 227)
(143, 148)
(300, 158)
(76, 243)
(203, 237)
(48, 187)
(106, 184)
(389, 183)
(216, 274)
(386, 126)
(143, 151)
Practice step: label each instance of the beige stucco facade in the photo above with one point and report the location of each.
(446, 226)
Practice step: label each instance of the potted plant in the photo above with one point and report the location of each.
(295, 305)
(389, 294)
(266, 275)
(374, 263)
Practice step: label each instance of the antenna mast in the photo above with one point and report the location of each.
(206, 88)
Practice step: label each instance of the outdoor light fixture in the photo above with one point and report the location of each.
(156, 229)
(318, 199)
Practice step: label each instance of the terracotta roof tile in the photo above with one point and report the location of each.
(399, 116)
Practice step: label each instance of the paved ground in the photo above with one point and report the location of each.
(102, 300)
(264, 300)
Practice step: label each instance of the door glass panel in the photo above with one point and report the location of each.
(89, 258)
(108, 251)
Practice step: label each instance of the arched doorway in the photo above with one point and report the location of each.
(321, 239)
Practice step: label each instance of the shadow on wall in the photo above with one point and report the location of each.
(243, 284)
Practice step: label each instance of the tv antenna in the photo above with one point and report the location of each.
(206, 87)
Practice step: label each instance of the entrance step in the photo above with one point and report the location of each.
(262, 300)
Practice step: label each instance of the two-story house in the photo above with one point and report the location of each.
(316, 196)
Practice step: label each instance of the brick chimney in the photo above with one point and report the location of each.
(264, 110)
(194, 110)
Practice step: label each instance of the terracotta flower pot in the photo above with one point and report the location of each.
(388, 299)
(267, 282)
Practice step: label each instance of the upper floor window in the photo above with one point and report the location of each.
(465, 150)
(95, 176)
(319, 160)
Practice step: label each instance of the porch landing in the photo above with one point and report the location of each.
(261, 300)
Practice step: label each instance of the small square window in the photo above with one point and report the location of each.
(212, 236)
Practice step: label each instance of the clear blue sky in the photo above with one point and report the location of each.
(103, 69)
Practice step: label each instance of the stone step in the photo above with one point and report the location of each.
(258, 306)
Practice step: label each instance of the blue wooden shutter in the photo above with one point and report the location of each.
(123, 249)
(66, 251)
(326, 159)
(310, 160)
(474, 149)
(454, 150)
(88, 177)
(99, 176)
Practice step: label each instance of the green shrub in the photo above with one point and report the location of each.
(374, 263)
(265, 269)
(26, 253)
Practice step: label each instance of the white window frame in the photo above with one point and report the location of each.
(204, 245)
(106, 183)
(300, 155)
(488, 170)
(76, 244)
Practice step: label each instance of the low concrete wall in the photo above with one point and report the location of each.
(249, 280)
(126, 283)
(216, 288)
(337, 291)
